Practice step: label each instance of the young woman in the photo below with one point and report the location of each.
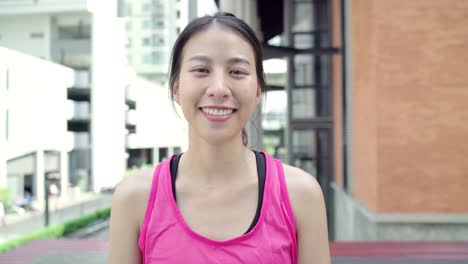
(219, 202)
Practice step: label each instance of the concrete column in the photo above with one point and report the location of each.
(247, 11)
(107, 97)
(39, 178)
(64, 172)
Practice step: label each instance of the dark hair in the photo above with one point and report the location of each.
(199, 24)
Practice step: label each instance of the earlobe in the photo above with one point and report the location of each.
(175, 92)
(258, 95)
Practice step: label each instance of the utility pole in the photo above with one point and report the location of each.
(46, 197)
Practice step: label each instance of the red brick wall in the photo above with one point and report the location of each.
(410, 105)
(363, 93)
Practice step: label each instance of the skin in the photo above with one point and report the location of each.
(218, 68)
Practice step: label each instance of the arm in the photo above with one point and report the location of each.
(128, 208)
(311, 220)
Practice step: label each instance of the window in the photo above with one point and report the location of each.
(146, 41)
(128, 9)
(129, 42)
(146, 7)
(146, 24)
(129, 59)
(36, 35)
(157, 40)
(178, 14)
(157, 57)
(128, 25)
(178, 30)
(146, 59)
(80, 31)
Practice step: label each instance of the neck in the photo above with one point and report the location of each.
(221, 162)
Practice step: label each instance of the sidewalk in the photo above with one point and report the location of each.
(61, 210)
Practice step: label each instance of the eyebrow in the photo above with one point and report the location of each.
(233, 60)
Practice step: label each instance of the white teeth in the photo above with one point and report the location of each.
(217, 112)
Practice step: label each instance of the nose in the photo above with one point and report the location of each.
(218, 87)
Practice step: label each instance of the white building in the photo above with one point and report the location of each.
(33, 133)
(85, 35)
(152, 27)
(98, 113)
(160, 132)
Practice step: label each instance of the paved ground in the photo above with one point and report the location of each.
(94, 251)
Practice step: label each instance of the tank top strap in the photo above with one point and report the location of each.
(149, 208)
(280, 198)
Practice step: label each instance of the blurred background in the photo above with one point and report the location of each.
(369, 96)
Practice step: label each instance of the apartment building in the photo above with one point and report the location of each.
(152, 27)
(35, 140)
(88, 37)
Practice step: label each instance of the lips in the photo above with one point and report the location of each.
(217, 113)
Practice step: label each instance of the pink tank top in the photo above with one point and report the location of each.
(166, 238)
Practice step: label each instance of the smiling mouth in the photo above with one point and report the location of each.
(218, 111)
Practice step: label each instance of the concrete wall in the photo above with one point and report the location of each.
(157, 124)
(108, 97)
(37, 89)
(354, 222)
(29, 34)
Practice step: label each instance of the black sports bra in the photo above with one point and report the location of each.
(261, 172)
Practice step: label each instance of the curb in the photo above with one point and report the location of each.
(88, 231)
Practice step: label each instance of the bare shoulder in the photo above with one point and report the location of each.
(303, 188)
(309, 210)
(133, 193)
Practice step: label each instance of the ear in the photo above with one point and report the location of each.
(175, 92)
(258, 95)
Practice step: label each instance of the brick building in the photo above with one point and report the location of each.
(384, 90)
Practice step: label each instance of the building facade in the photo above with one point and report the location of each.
(152, 27)
(376, 96)
(35, 141)
(76, 34)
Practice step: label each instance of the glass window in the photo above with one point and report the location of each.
(303, 17)
(157, 40)
(147, 59)
(80, 31)
(311, 150)
(158, 57)
(146, 41)
(308, 102)
(146, 24)
(304, 41)
(128, 25)
(304, 73)
(146, 7)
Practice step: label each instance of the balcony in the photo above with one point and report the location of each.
(75, 53)
(79, 94)
(78, 125)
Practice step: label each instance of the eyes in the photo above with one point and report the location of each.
(203, 71)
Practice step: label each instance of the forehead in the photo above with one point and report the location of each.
(218, 41)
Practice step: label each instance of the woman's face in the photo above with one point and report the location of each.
(217, 87)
